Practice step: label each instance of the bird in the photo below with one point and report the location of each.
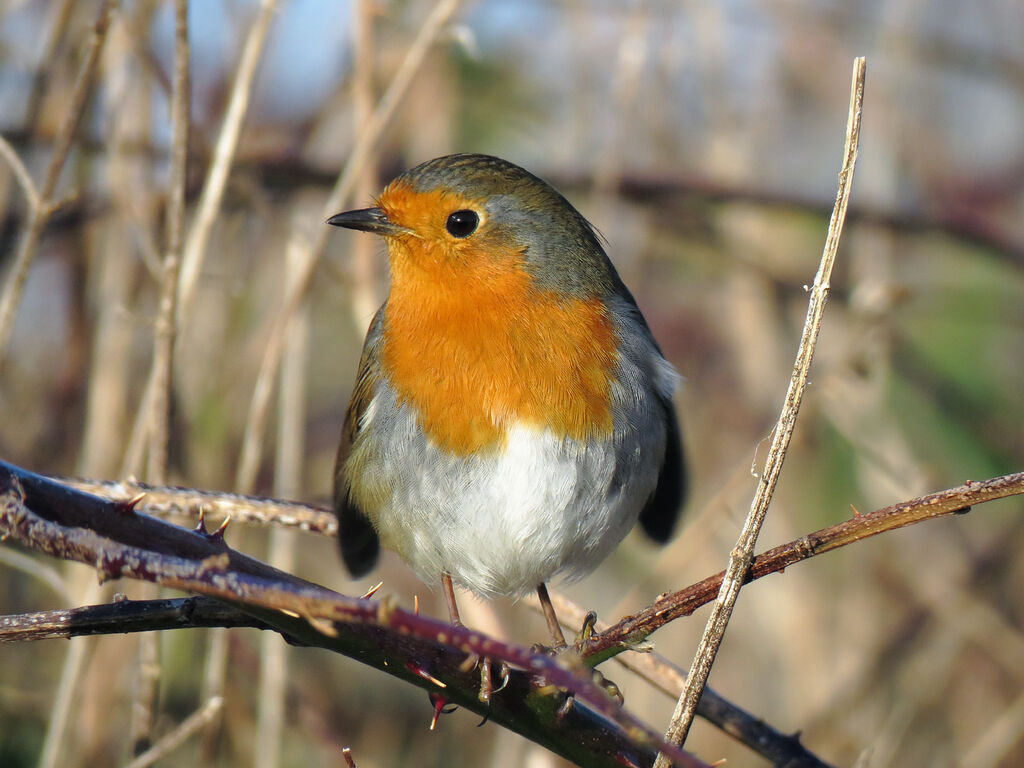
(512, 417)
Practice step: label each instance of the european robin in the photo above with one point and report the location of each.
(512, 416)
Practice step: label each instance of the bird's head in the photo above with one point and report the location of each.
(472, 215)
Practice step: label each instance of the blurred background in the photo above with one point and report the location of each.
(703, 140)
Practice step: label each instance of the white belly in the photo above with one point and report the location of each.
(501, 524)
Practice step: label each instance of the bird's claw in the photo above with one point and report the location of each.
(586, 631)
(609, 687)
(487, 688)
(547, 650)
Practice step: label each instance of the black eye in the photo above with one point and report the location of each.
(462, 223)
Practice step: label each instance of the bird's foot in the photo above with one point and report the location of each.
(484, 663)
(580, 644)
(572, 655)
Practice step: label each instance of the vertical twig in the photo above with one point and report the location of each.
(287, 484)
(40, 212)
(212, 193)
(112, 274)
(167, 313)
(40, 206)
(70, 674)
(630, 59)
(743, 552)
(21, 174)
(190, 725)
(56, 22)
(214, 674)
(147, 678)
(144, 701)
(431, 29)
(208, 207)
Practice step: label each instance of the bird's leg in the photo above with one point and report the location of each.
(549, 616)
(486, 682)
(449, 598)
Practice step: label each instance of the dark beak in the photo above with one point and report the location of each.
(368, 220)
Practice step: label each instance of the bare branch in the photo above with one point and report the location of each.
(119, 542)
(212, 195)
(43, 207)
(21, 173)
(189, 726)
(743, 553)
(625, 635)
(167, 313)
(633, 629)
(124, 616)
(167, 501)
(669, 678)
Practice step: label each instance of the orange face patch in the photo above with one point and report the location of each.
(422, 212)
(472, 345)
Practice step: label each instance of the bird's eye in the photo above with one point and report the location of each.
(462, 223)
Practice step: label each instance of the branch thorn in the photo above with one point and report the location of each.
(440, 704)
(421, 673)
(372, 590)
(127, 506)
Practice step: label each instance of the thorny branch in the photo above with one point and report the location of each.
(202, 612)
(672, 605)
(119, 542)
(172, 540)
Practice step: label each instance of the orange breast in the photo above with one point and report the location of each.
(474, 347)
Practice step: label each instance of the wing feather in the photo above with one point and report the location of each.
(360, 545)
(659, 515)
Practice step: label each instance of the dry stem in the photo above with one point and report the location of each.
(212, 193)
(119, 542)
(743, 553)
(171, 741)
(43, 204)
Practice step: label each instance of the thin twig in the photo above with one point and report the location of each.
(669, 678)
(363, 294)
(212, 193)
(45, 573)
(158, 416)
(21, 173)
(179, 735)
(56, 23)
(999, 740)
(147, 678)
(208, 207)
(668, 607)
(288, 469)
(215, 672)
(41, 207)
(167, 314)
(430, 31)
(743, 553)
(123, 616)
(70, 675)
(44, 203)
(90, 530)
